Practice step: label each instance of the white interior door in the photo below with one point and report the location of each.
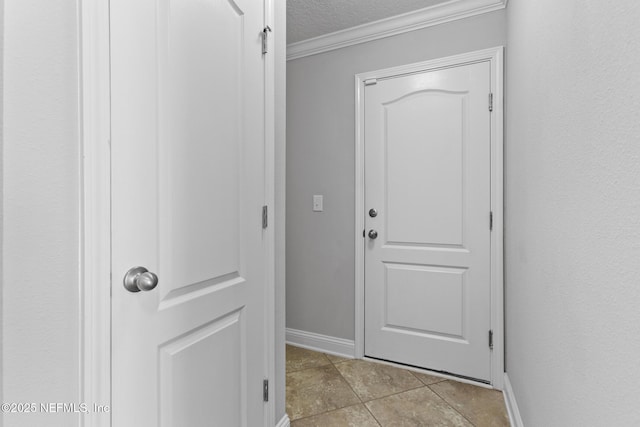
(427, 175)
(188, 186)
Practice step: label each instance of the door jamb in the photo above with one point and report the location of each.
(495, 57)
(95, 321)
(95, 240)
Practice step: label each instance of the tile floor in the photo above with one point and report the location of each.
(330, 391)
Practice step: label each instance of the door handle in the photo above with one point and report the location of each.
(140, 279)
(373, 213)
(373, 234)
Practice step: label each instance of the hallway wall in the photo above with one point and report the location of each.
(573, 211)
(41, 205)
(321, 160)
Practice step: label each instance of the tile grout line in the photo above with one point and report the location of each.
(395, 394)
(333, 364)
(304, 369)
(354, 392)
(418, 378)
(318, 367)
(381, 397)
(325, 412)
(422, 385)
(451, 406)
(288, 371)
(345, 380)
(384, 397)
(374, 417)
(418, 388)
(431, 386)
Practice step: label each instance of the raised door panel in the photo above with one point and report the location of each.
(411, 305)
(202, 376)
(424, 152)
(200, 51)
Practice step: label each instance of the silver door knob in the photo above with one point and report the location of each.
(373, 213)
(373, 234)
(140, 279)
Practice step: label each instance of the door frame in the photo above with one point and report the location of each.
(495, 57)
(95, 233)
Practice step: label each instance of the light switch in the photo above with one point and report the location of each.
(317, 203)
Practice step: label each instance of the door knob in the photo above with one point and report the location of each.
(373, 234)
(373, 213)
(140, 279)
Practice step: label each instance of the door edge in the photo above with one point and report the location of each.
(269, 232)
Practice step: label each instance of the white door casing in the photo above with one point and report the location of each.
(432, 168)
(188, 178)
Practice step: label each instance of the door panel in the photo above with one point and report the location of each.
(410, 305)
(193, 362)
(200, 116)
(427, 275)
(188, 157)
(436, 160)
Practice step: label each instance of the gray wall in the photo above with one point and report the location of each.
(320, 160)
(573, 211)
(41, 185)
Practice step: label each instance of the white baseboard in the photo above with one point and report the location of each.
(284, 421)
(512, 405)
(323, 343)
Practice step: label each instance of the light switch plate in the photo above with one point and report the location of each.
(317, 203)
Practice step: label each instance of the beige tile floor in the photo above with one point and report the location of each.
(330, 391)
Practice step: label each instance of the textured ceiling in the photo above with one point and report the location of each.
(312, 18)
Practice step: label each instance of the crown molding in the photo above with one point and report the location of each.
(410, 21)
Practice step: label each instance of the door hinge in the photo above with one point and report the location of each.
(265, 390)
(370, 82)
(490, 102)
(265, 216)
(491, 221)
(265, 36)
(490, 339)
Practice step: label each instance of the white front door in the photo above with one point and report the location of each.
(427, 175)
(188, 186)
